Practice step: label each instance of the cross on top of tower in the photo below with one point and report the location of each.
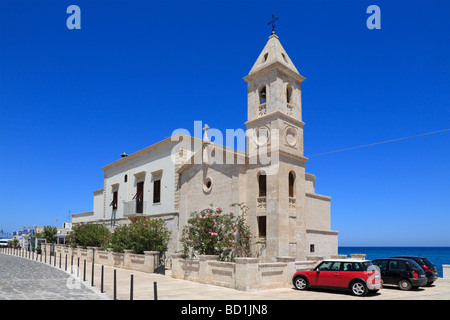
(273, 23)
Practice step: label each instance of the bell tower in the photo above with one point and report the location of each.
(274, 98)
(276, 194)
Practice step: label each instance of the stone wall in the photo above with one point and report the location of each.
(146, 262)
(245, 274)
(446, 271)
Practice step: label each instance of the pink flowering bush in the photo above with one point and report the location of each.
(215, 232)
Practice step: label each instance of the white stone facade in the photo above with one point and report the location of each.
(284, 213)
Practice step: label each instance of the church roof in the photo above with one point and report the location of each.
(272, 55)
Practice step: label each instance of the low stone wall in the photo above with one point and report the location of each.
(446, 271)
(146, 262)
(245, 274)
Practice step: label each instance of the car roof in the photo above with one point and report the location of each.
(409, 257)
(348, 260)
(393, 258)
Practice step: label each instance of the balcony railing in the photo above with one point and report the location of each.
(134, 208)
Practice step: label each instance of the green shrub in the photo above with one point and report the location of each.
(120, 239)
(49, 234)
(89, 235)
(143, 235)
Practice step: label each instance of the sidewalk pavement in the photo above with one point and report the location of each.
(169, 288)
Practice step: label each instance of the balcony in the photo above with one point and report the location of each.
(134, 208)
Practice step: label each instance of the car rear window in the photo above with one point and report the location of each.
(427, 262)
(414, 266)
(351, 266)
(366, 265)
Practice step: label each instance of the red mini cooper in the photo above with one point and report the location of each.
(358, 276)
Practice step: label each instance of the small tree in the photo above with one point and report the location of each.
(89, 235)
(49, 234)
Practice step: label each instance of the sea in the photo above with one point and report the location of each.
(437, 255)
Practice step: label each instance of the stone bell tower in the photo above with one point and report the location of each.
(275, 129)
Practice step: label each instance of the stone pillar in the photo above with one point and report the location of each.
(58, 251)
(151, 261)
(204, 271)
(446, 271)
(126, 258)
(247, 278)
(74, 254)
(90, 253)
(45, 250)
(358, 255)
(290, 268)
(110, 257)
(176, 265)
(338, 256)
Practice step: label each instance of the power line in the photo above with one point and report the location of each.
(376, 143)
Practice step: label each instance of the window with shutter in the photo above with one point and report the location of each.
(157, 191)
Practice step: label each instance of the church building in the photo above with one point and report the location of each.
(182, 174)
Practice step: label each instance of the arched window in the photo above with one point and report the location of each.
(262, 184)
(289, 93)
(262, 95)
(291, 184)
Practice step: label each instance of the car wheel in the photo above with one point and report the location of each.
(300, 283)
(405, 284)
(430, 283)
(359, 288)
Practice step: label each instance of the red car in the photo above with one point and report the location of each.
(358, 276)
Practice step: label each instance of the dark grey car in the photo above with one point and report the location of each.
(426, 265)
(405, 273)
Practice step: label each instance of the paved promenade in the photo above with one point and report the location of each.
(22, 278)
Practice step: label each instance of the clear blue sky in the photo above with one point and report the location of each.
(71, 101)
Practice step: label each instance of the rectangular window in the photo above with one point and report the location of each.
(157, 191)
(262, 226)
(262, 185)
(311, 248)
(115, 199)
(139, 197)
